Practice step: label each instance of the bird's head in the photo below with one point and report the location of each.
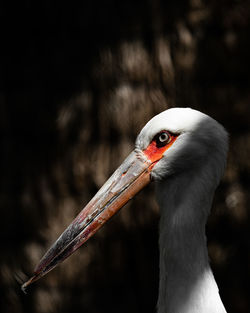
(172, 142)
(186, 139)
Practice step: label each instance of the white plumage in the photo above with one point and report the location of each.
(184, 151)
(186, 179)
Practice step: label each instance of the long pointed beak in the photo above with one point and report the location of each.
(127, 180)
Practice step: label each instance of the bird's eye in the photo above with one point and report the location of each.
(162, 139)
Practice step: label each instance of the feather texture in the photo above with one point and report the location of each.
(186, 177)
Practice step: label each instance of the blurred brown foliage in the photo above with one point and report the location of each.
(78, 81)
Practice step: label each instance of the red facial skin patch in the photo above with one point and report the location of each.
(155, 153)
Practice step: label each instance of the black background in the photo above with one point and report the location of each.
(78, 81)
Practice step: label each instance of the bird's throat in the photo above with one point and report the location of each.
(186, 280)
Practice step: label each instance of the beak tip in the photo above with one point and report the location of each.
(27, 283)
(23, 288)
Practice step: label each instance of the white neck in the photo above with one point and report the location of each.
(187, 284)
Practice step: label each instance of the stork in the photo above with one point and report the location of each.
(184, 151)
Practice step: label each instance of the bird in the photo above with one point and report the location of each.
(184, 152)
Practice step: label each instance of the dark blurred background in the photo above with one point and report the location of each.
(78, 81)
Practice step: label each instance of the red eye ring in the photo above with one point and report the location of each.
(156, 148)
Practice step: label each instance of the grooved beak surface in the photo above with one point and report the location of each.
(127, 180)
